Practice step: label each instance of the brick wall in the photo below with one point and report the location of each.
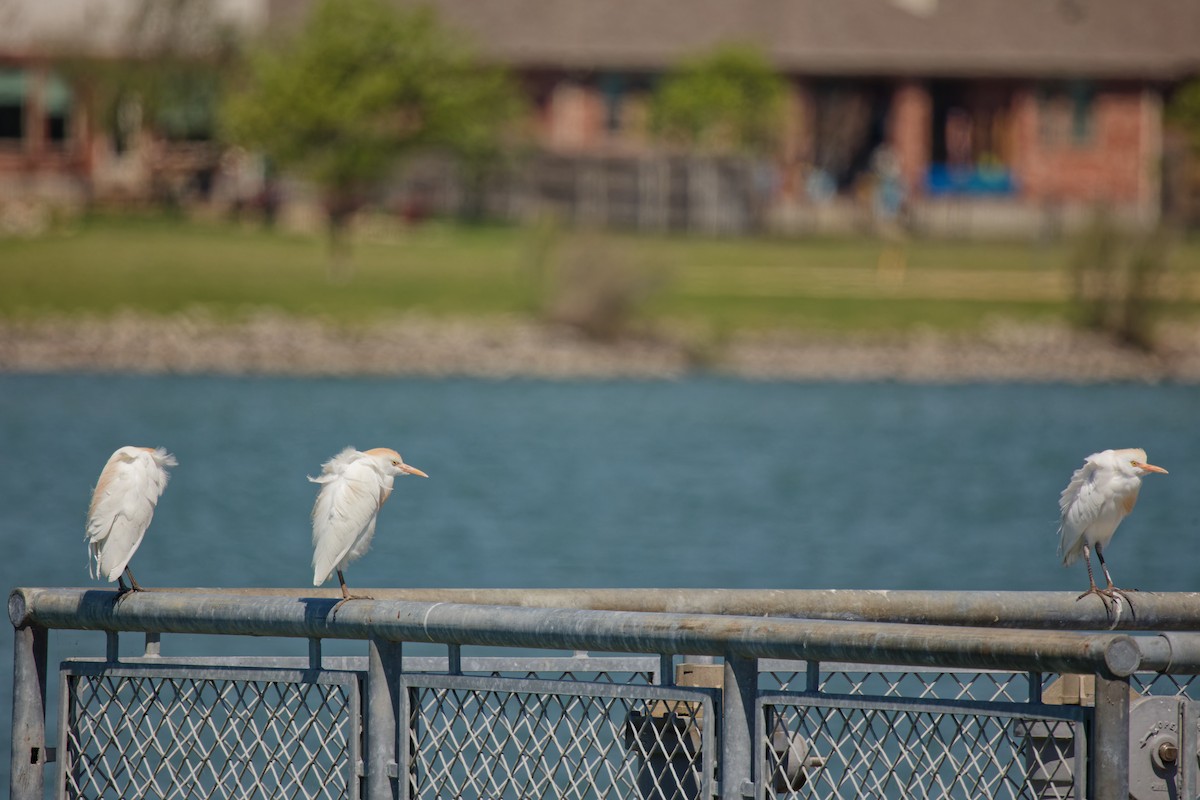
(1115, 162)
(909, 130)
(574, 120)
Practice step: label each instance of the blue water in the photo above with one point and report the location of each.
(702, 482)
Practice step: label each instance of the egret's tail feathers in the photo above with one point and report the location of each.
(109, 571)
(1070, 555)
(98, 569)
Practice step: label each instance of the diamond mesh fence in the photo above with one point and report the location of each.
(840, 748)
(1160, 684)
(857, 680)
(208, 733)
(509, 738)
(631, 677)
(135, 730)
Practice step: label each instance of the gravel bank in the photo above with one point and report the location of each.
(271, 344)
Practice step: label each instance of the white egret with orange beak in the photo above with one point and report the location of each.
(122, 506)
(1101, 493)
(354, 486)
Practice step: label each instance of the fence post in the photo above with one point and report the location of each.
(1110, 738)
(29, 756)
(737, 727)
(383, 704)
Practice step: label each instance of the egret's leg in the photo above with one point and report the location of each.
(1110, 590)
(345, 593)
(1108, 577)
(1103, 594)
(121, 587)
(1087, 562)
(133, 581)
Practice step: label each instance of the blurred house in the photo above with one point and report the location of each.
(984, 116)
(59, 143)
(997, 114)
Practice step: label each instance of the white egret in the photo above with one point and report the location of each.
(122, 506)
(354, 486)
(1101, 493)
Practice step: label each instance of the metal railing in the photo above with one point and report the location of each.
(724, 693)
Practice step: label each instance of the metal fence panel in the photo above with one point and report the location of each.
(148, 731)
(512, 738)
(858, 747)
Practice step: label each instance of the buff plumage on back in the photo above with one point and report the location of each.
(122, 507)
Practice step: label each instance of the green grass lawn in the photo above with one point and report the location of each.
(104, 265)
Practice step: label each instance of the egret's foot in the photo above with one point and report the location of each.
(132, 581)
(1118, 595)
(123, 590)
(347, 599)
(1105, 596)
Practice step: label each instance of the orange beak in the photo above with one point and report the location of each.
(1150, 468)
(406, 469)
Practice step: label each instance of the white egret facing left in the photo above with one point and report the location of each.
(122, 506)
(354, 486)
(1101, 493)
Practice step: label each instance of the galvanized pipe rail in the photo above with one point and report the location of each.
(1153, 611)
(229, 613)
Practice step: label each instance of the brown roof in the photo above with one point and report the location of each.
(1156, 39)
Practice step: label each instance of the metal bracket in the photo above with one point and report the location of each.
(1157, 744)
(43, 755)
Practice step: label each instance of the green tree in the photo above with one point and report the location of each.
(1183, 111)
(360, 86)
(1117, 280)
(729, 99)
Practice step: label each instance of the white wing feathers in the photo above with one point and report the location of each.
(345, 511)
(1092, 506)
(122, 507)
(1079, 506)
(335, 466)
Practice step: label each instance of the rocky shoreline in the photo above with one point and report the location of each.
(272, 344)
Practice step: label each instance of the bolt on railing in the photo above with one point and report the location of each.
(741, 640)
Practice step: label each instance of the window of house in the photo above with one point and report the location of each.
(12, 104)
(57, 104)
(612, 87)
(1066, 114)
(189, 112)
